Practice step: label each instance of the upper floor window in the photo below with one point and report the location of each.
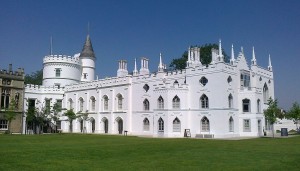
(93, 103)
(258, 106)
(80, 104)
(203, 81)
(245, 79)
(57, 72)
(84, 75)
(176, 102)
(229, 80)
(246, 105)
(59, 104)
(5, 95)
(230, 101)
(146, 104)
(204, 101)
(120, 101)
(105, 103)
(70, 103)
(146, 88)
(160, 102)
(265, 93)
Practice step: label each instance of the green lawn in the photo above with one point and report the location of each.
(104, 152)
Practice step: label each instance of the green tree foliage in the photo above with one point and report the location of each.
(34, 78)
(294, 114)
(11, 114)
(71, 116)
(205, 56)
(272, 112)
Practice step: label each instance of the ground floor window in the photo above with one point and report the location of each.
(160, 125)
(176, 125)
(204, 124)
(247, 125)
(231, 123)
(3, 124)
(146, 124)
(58, 124)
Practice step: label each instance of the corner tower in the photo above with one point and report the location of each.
(87, 58)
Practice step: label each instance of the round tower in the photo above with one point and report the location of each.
(87, 58)
(61, 70)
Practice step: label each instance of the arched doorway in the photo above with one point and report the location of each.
(120, 125)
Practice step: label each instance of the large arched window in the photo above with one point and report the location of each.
(120, 101)
(204, 124)
(230, 101)
(146, 104)
(246, 105)
(204, 101)
(160, 102)
(258, 106)
(161, 125)
(70, 101)
(176, 102)
(93, 103)
(146, 124)
(266, 93)
(231, 124)
(105, 103)
(80, 104)
(176, 125)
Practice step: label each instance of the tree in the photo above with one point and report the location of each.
(54, 114)
(71, 116)
(85, 117)
(272, 112)
(10, 114)
(205, 57)
(35, 78)
(294, 114)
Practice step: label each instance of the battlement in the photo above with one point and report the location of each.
(61, 59)
(102, 83)
(16, 75)
(31, 88)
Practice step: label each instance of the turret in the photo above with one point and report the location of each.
(232, 60)
(122, 71)
(87, 58)
(253, 60)
(135, 71)
(144, 66)
(160, 65)
(270, 64)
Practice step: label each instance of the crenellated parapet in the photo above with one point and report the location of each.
(61, 59)
(31, 88)
(102, 83)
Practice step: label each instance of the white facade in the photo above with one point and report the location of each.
(219, 100)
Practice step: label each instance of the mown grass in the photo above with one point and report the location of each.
(104, 152)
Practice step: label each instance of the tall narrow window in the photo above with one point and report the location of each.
(5, 98)
(146, 124)
(258, 106)
(146, 104)
(70, 103)
(247, 125)
(176, 102)
(84, 75)
(59, 104)
(120, 101)
(204, 101)
(57, 72)
(161, 125)
(160, 102)
(245, 79)
(230, 101)
(80, 104)
(204, 124)
(176, 125)
(105, 103)
(47, 106)
(231, 125)
(266, 93)
(246, 105)
(93, 103)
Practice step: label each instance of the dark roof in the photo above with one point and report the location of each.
(87, 50)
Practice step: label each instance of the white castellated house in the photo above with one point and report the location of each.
(218, 100)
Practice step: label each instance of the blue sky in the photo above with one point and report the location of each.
(128, 29)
